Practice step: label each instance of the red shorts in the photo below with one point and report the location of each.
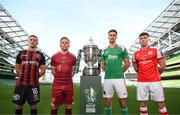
(62, 94)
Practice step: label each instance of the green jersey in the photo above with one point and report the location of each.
(113, 58)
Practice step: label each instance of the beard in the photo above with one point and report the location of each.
(112, 42)
(33, 47)
(65, 49)
(144, 44)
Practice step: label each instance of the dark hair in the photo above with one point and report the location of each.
(64, 38)
(112, 30)
(33, 36)
(144, 34)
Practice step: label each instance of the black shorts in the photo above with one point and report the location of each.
(23, 93)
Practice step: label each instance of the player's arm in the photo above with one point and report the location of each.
(125, 58)
(134, 63)
(17, 67)
(42, 69)
(161, 61)
(73, 69)
(103, 65)
(74, 65)
(18, 64)
(162, 65)
(102, 61)
(135, 66)
(126, 64)
(53, 70)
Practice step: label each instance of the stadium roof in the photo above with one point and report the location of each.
(164, 31)
(13, 38)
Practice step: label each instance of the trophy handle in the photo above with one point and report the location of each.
(76, 70)
(99, 60)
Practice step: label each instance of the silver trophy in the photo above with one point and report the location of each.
(91, 57)
(90, 81)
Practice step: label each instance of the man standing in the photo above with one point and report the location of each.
(112, 63)
(30, 65)
(62, 64)
(149, 63)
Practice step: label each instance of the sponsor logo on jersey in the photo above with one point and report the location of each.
(111, 57)
(30, 62)
(144, 57)
(145, 62)
(150, 52)
(24, 55)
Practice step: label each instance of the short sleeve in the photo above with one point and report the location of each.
(52, 61)
(42, 61)
(74, 60)
(133, 58)
(18, 58)
(102, 57)
(160, 55)
(125, 54)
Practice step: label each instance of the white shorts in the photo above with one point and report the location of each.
(118, 85)
(155, 90)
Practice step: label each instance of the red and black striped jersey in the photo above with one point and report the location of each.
(29, 61)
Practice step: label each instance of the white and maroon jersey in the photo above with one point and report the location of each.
(147, 64)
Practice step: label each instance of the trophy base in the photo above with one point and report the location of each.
(90, 95)
(90, 71)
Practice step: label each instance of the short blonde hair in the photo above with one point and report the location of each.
(33, 36)
(64, 38)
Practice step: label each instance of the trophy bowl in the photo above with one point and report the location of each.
(90, 71)
(90, 54)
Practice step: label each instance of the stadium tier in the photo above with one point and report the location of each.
(173, 67)
(13, 38)
(6, 69)
(164, 34)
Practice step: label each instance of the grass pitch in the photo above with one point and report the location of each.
(6, 107)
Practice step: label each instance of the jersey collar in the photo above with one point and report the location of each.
(113, 47)
(145, 49)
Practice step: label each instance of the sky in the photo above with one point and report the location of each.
(81, 19)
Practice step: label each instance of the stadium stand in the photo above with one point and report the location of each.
(164, 31)
(164, 34)
(6, 69)
(173, 67)
(13, 38)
